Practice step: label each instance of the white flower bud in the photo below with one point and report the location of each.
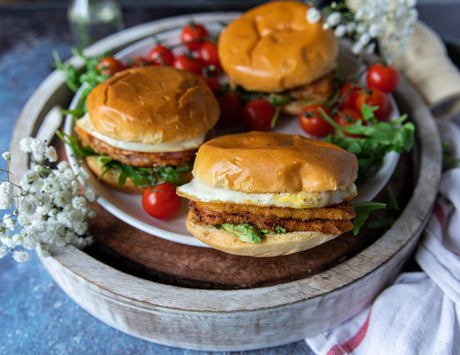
(3, 251)
(24, 144)
(313, 15)
(340, 31)
(21, 256)
(333, 19)
(6, 156)
(42, 251)
(50, 154)
(6, 195)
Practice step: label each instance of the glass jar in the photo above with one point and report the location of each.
(91, 20)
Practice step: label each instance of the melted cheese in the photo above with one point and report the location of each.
(193, 143)
(199, 190)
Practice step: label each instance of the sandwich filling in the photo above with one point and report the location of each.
(251, 216)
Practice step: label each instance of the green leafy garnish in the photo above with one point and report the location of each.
(362, 210)
(373, 141)
(73, 143)
(248, 233)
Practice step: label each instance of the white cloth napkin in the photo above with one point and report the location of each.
(420, 312)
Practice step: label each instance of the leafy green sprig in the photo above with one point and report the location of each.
(372, 141)
(140, 176)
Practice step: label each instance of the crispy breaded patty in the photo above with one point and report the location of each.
(331, 222)
(133, 158)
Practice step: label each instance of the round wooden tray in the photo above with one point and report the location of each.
(241, 312)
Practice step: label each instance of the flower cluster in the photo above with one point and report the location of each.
(385, 25)
(45, 208)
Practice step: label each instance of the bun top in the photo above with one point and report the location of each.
(153, 104)
(267, 162)
(273, 48)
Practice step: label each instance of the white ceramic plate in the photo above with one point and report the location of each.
(128, 207)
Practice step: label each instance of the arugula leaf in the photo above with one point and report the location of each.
(374, 141)
(362, 210)
(73, 143)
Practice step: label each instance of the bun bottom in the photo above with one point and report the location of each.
(111, 177)
(271, 245)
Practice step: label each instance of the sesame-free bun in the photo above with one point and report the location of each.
(268, 162)
(153, 104)
(271, 245)
(273, 48)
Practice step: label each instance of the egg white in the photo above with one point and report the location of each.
(200, 191)
(193, 143)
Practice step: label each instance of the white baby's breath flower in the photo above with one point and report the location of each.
(6, 195)
(37, 148)
(62, 165)
(42, 251)
(21, 256)
(313, 15)
(8, 221)
(7, 240)
(6, 156)
(340, 31)
(90, 195)
(24, 144)
(333, 19)
(50, 154)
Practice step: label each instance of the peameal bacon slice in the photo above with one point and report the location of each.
(137, 159)
(330, 220)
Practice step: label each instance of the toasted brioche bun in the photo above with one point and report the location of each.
(268, 162)
(111, 177)
(273, 48)
(271, 245)
(153, 104)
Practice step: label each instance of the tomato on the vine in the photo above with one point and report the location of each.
(109, 66)
(347, 117)
(138, 62)
(347, 95)
(161, 201)
(382, 77)
(375, 98)
(312, 122)
(186, 62)
(258, 115)
(209, 57)
(160, 55)
(192, 33)
(231, 106)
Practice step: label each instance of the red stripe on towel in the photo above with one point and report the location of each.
(439, 213)
(352, 343)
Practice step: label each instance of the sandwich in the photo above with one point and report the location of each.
(270, 194)
(144, 125)
(272, 48)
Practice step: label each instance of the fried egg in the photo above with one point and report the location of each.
(200, 191)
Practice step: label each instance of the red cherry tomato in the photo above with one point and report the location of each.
(346, 117)
(312, 122)
(258, 115)
(138, 62)
(192, 33)
(347, 95)
(160, 55)
(161, 201)
(231, 106)
(383, 77)
(109, 66)
(213, 83)
(209, 57)
(375, 98)
(186, 62)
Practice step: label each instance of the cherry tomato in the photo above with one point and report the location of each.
(212, 82)
(346, 117)
(186, 62)
(312, 122)
(231, 106)
(375, 98)
(347, 95)
(383, 77)
(258, 115)
(138, 62)
(209, 57)
(192, 33)
(109, 66)
(160, 55)
(161, 201)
